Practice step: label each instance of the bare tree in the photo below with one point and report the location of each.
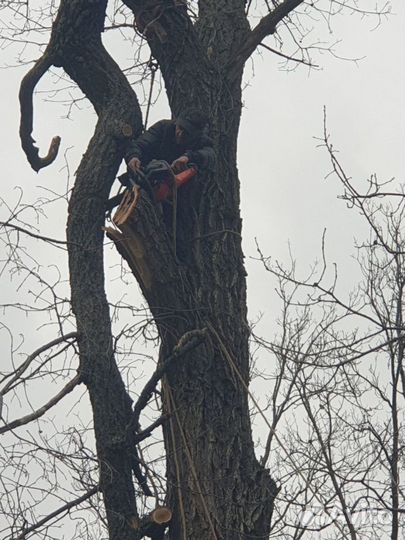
(339, 387)
(215, 487)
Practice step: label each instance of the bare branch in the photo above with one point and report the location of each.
(33, 235)
(25, 365)
(40, 412)
(144, 434)
(287, 57)
(65, 508)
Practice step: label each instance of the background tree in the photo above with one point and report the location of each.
(215, 485)
(340, 381)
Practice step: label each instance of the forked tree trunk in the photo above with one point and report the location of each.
(216, 488)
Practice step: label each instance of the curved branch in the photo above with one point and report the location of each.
(27, 88)
(77, 47)
(42, 410)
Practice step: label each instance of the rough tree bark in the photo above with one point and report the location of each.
(216, 487)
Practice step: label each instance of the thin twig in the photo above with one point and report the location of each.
(279, 53)
(25, 365)
(33, 235)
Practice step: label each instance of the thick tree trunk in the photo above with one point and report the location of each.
(216, 487)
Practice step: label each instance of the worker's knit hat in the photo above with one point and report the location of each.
(193, 121)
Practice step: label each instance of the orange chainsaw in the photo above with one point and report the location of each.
(164, 188)
(157, 179)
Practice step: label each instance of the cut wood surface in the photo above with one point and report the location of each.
(127, 206)
(126, 239)
(154, 524)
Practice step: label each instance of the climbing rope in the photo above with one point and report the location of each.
(174, 216)
(153, 66)
(191, 464)
(176, 461)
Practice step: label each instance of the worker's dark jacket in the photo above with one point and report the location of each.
(159, 142)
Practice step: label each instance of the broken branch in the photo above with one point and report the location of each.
(153, 524)
(144, 434)
(27, 88)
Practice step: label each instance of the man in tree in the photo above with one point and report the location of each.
(179, 142)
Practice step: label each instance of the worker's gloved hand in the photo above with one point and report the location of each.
(180, 164)
(134, 164)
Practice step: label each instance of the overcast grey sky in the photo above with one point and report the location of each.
(284, 194)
